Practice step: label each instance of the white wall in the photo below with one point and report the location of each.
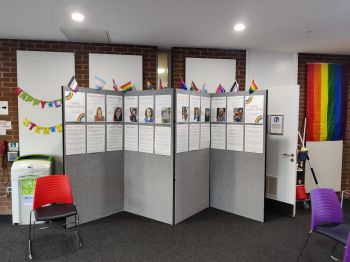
(123, 68)
(41, 74)
(210, 71)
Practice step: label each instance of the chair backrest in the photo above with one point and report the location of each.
(52, 189)
(325, 207)
(347, 250)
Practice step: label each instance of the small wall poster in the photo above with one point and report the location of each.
(194, 137)
(163, 109)
(146, 106)
(96, 107)
(195, 108)
(254, 109)
(74, 108)
(254, 138)
(96, 136)
(181, 138)
(162, 141)
(75, 139)
(218, 109)
(276, 124)
(131, 109)
(182, 108)
(131, 134)
(114, 137)
(235, 137)
(218, 136)
(205, 136)
(114, 108)
(205, 109)
(235, 109)
(146, 136)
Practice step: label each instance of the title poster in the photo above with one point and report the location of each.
(96, 107)
(74, 106)
(254, 109)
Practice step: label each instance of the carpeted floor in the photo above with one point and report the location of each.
(211, 235)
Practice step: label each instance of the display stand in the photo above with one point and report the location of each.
(237, 178)
(97, 179)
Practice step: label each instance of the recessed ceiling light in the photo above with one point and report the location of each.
(161, 70)
(239, 27)
(77, 17)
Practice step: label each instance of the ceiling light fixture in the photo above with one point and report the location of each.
(160, 70)
(78, 17)
(239, 27)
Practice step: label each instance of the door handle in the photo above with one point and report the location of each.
(291, 155)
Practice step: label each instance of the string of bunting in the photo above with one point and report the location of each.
(45, 130)
(57, 103)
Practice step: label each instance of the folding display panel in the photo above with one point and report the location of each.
(237, 154)
(93, 151)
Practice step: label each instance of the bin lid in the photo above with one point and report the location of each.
(36, 157)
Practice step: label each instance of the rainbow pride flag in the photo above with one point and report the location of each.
(126, 87)
(149, 85)
(325, 100)
(253, 87)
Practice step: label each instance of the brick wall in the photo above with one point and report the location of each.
(303, 59)
(8, 79)
(179, 55)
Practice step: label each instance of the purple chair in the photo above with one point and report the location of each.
(327, 217)
(347, 250)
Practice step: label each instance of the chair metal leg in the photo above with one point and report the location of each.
(77, 230)
(30, 255)
(333, 249)
(301, 253)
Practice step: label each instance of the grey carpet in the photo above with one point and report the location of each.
(211, 235)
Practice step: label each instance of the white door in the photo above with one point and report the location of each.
(281, 149)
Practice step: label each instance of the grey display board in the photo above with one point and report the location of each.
(191, 178)
(149, 178)
(97, 179)
(237, 179)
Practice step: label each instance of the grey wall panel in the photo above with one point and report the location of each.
(191, 183)
(148, 184)
(237, 183)
(97, 183)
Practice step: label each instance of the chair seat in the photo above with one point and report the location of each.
(55, 211)
(338, 232)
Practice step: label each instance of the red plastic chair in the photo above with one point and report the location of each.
(53, 200)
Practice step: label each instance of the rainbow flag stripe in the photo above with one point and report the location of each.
(253, 87)
(325, 94)
(127, 87)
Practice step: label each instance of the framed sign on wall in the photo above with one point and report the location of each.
(276, 125)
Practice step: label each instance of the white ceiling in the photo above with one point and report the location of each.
(278, 25)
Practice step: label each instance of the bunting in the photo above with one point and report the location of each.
(57, 103)
(38, 129)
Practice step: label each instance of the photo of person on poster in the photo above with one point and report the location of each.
(133, 114)
(118, 115)
(149, 118)
(99, 114)
(221, 115)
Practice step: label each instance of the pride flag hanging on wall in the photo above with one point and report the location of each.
(325, 93)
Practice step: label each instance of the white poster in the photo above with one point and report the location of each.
(218, 109)
(162, 141)
(218, 136)
(181, 138)
(95, 107)
(75, 139)
(254, 138)
(131, 109)
(96, 138)
(163, 109)
(195, 108)
(254, 109)
(194, 137)
(235, 109)
(235, 137)
(114, 108)
(146, 114)
(205, 136)
(146, 136)
(74, 108)
(114, 137)
(182, 108)
(131, 137)
(205, 108)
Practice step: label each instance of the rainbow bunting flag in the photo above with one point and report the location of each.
(115, 87)
(194, 87)
(253, 87)
(182, 84)
(149, 85)
(325, 101)
(126, 87)
(160, 84)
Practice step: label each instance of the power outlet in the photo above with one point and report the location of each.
(9, 190)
